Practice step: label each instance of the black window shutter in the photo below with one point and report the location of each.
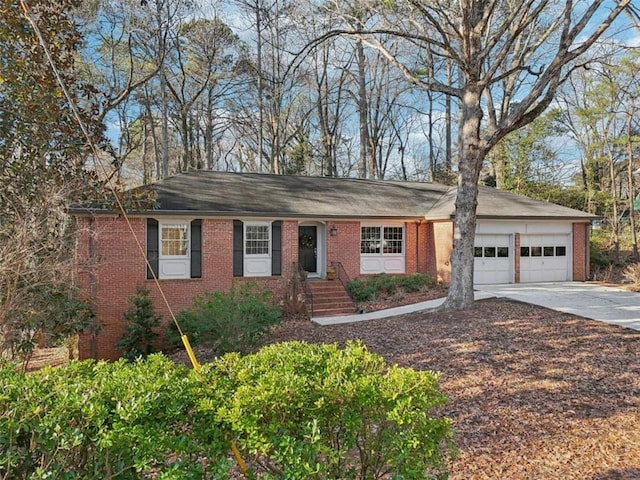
(196, 249)
(276, 248)
(152, 247)
(238, 249)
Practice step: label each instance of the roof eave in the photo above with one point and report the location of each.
(223, 214)
(537, 217)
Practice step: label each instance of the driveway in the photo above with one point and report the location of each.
(607, 304)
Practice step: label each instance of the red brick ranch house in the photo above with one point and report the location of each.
(211, 229)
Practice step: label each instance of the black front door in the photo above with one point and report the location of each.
(308, 248)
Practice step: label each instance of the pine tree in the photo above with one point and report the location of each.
(139, 336)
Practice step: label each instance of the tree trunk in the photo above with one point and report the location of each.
(447, 118)
(460, 295)
(630, 185)
(363, 110)
(184, 133)
(165, 126)
(260, 166)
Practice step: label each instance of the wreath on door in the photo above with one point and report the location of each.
(306, 241)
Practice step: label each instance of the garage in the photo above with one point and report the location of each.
(544, 258)
(493, 259)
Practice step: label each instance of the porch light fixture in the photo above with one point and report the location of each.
(333, 231)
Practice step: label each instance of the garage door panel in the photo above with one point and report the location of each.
(544, 258)
(493, 259)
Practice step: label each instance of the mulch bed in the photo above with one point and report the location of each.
(533, 393)
(400, 298)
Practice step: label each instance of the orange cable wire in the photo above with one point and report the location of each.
(98, 160)
(76, 113)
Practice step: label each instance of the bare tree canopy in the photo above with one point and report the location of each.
(511, 57)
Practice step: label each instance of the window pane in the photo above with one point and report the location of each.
(392, 240)
(561, 251)
(536, 251)
(524, 251)
(257, 240)
(370, 240)
(548, 251)
(489, 251)
(503, 252)
(477, 251)
(174, 239)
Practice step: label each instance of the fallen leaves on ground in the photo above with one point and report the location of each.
(533, 393)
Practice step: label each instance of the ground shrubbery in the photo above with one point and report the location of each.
(321, 412)
(228, 321)
(102, 420)
(368, 288)
(296, 411)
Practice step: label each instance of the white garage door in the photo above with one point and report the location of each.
(544, 258)
(493, 259)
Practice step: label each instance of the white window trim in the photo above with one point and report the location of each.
(244, 239)
(382, 226)
(177, 221)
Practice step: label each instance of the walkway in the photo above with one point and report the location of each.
(607, 304)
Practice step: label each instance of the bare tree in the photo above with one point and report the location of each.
(529, 46)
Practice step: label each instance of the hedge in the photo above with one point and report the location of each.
(296, 410)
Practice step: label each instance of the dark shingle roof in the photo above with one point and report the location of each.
(494, 203)
(251, 194)
(222, 193)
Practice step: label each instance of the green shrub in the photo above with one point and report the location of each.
(360, 290)
(140, 320)
(233, 321)
(320, 412)
(415, 282)
(365, 289)
(91, 420)
(297, 411)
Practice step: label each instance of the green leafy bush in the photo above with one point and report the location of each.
(140, 320)
(297, 411)
(368, 288)
(361, 290)
(320, 412)
(233, 321)
(91, 420)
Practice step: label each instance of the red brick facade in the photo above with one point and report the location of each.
(581, 235)
(111, 265)
(344, 247)
(439, 249)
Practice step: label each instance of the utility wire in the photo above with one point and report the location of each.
(185, 340)
(97, 159)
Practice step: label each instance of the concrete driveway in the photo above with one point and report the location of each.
(607, 304)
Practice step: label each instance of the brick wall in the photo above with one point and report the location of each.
(516, 257)
(344, 247)
(442, 245)
(581, 233)
(424, 242)
(411, 242)
(119, 267)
